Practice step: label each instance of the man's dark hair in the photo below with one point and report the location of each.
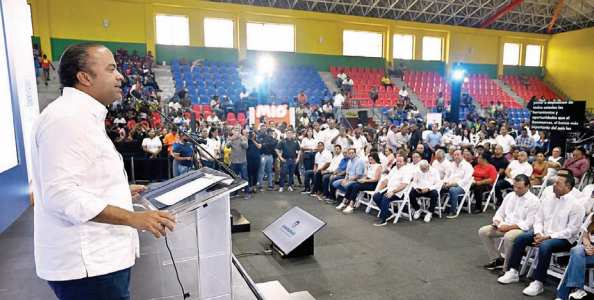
(44, 56)
(321, 143)
(486, 155)
(569, 180)
(339, 146)
(522, 178)
(75, 59)
(569, 172)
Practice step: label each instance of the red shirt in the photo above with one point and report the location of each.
(482, 173)
(45, 63)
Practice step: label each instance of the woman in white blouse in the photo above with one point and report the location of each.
(367, 183)
(474, 137)
(465, 140)
(308, 147)
(152, 147)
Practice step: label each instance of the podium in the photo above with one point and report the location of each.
(200, 245)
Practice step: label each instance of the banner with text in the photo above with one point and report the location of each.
(566, 116)
(276, 113)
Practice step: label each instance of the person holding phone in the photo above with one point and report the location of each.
(515, 216)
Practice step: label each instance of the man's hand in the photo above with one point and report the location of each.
(153, 221)
(504, 228)
(538, 239)
(590, 250)
(424, 191)
(135, 189)
(496, 223)
(389, 194)
(343, 183)
(282, 159)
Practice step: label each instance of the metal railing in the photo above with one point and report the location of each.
(368, 104)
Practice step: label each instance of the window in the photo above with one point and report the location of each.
(432, 48)
(218, 33)
(533, 55)
(270, 37)
(173, 30)
(511, 54)
(403, 46)
(360, 43)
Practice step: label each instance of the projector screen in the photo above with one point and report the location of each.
(8, 150)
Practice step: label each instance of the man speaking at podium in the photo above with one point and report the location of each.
(85, 228)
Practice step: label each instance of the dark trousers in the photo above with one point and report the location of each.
(432, 194)
(288, 168)
(112, 286)
(327, 188)
(317, 185)
(241, 170)
(545, 251)
(253, 168)
(478, 195)
(383, 203)
(354, 189)
(499, 186)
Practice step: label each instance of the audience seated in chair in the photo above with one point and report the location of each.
(368, 182)
(457, 181)
(515, 168)
(426, 183)
(391, 189)
(484, 180)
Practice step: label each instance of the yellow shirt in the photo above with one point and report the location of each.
(227, 153)
(386, 80)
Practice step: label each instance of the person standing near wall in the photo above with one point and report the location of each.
(81, 187)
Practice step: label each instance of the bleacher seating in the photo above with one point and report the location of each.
(288, 81)
(536, 88)
(484, 90)
(203, 82)
(364, 80)
(428, 85)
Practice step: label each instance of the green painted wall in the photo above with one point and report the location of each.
(489, 70)
(519, 70)
(168, 52)
(36, 40)
(422, 65)
(59, 45)
(321, 62)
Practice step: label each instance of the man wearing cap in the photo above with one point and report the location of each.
(578, 164)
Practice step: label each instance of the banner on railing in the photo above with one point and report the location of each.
(434, 118)
(276, 113)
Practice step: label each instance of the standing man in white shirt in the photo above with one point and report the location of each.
(426, 182)
(515, 216)
(556, 228)
(329, 134)
(359, 141)
(515, 168)
(338, 100)
(81, 188)
(457, 181)
(505, 140)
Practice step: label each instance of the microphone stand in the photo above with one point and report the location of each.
(194, 142)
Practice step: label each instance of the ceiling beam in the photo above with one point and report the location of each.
(555, 15)
(500, 13)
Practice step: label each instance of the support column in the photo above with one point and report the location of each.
(241, 35)
(388, 46)
(43, 27)
(149, 28)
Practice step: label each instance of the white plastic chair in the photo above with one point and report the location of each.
(465, 201)
(425, 202)
(366, 198)
(397, 206)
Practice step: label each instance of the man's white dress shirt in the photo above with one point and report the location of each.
(519, 211)
(559, 218)
(78, 172)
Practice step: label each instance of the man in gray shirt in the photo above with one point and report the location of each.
(239, 145)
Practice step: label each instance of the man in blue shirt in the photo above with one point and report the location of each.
(355, 169)
(433, 139)
(182, 155)
(333, 175)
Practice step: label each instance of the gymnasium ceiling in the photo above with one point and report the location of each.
(532, 16)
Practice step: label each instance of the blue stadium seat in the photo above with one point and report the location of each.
(213, 64)
(231, 65)
(204, 100)
(175, 62)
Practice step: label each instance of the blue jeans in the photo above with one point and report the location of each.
(575, 275)
(337, 113)
(354, 189)
(206, 163)
(181, 169)
(288, 168)
(545, 251)
(383, 202)
(112, 286)
(241, 170)
(265, 166)
(175, 168)
(454, 192)
(337, 185)
(327, 184)
(308, 178)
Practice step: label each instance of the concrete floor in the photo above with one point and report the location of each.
(353, 259)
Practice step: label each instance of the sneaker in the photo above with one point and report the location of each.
(494, 265)
(247, 196)
(330, 201)
(341, 206)
(452, 215)
(281, 190)
(261, 189)
(290, 189)
(417, 214)
(428, 217)
(348, 210)
(534, 289)
(577, 294)
(271, 188)
(306, 191)
(477, 211)
(322, 198)
(380, 223)
(509, 277)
